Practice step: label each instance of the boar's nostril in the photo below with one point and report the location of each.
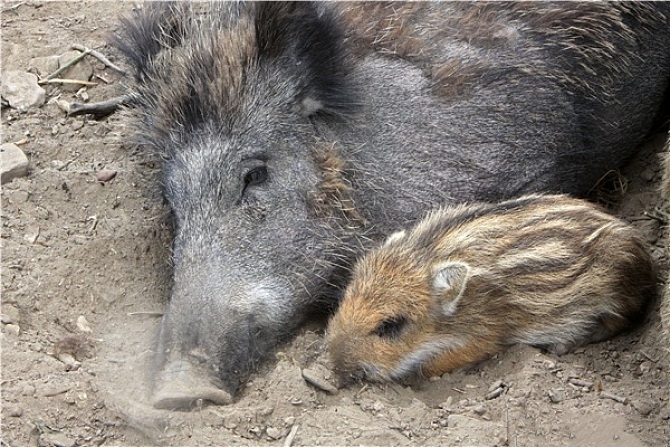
(181, 387)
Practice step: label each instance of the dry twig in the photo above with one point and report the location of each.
(99, 109)
(98, 55)
(65, 66)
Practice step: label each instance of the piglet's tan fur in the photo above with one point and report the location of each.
(466, 281)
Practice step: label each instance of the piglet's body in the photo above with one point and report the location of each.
(466, 281)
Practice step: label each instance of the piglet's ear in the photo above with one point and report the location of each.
(449, 282)
(394, 238)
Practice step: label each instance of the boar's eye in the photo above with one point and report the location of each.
(390, 327)
(255, 176)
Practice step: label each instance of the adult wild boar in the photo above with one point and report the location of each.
(295, 133)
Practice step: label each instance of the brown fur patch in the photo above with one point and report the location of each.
(333, 197)
(576, 40)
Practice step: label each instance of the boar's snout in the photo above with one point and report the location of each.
(181, 387)
(215, 330)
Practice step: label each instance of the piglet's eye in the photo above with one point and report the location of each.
(390, 327)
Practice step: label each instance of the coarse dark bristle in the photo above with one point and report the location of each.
(297, 39)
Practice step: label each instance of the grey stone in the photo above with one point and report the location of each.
(12, 329)
(56, 439)
(13, 163)
(10, 314)
(81, 71)
(20, 89)
(44, 65)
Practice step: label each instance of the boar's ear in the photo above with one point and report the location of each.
(449, 281)
(158, 25)
(310, 38)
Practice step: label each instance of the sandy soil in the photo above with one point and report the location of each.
(85, 272)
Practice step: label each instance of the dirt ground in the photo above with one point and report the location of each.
(85, 272)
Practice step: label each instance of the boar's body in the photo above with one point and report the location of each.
(294, 134)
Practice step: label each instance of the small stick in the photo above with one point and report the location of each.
(102, 108)
(495, 393)
(151, 314)
(606, 395)
(648, 357)
(581, 383)
(66, 81)
(288, 442)
(98, 55)
(12, 8)
(66, 164)
(67, 65)
(359, 392)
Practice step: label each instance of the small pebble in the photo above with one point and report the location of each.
(275, 433)
(377, 406)
(63, 105)
(314, 378)
(82, 324)
(495, 385)
(10, 314)
(447, 404)
(556, 396)
(643, 407)
(494, 394)
(231, 422)
(645, 367)
(82, 95)
(289, 421)
(105, 175)
(479, 410)
(14, 412)
(56, 439)
(12, 329)
(265, 411)
(71, 364)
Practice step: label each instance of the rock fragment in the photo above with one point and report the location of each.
(13, 164)
(315, 377)
(81, 71)
(21, 91)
